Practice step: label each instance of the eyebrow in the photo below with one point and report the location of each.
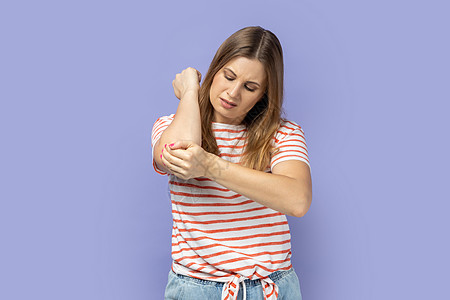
(247, 81)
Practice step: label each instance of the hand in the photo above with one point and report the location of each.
(186, 159)
(188, 80)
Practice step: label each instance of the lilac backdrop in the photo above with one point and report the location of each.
(84, 216)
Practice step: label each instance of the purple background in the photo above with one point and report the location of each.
(83, 215)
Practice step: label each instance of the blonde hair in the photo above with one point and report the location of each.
(263, 120)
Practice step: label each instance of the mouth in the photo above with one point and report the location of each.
(228, 102)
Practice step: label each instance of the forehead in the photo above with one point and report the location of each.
(247, 69)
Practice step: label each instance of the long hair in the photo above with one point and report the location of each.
(262, 121)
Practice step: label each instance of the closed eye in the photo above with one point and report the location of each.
(246, 87)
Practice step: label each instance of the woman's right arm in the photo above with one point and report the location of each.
(186, 124)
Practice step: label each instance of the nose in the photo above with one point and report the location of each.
(233, 91)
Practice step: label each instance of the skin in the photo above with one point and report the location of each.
(287, 189)
(241, 81)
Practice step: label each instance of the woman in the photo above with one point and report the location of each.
(236, 168)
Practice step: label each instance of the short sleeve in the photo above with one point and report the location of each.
(158, 128)
(291, 143)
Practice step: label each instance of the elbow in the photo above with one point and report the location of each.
(299, 212)
(302, 206)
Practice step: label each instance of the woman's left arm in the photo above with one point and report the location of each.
(287, 189)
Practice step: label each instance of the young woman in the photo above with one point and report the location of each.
(236, 168)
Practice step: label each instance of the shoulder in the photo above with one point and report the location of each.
(166, 118)
(163, 120)
(288, 128)
(161, 124)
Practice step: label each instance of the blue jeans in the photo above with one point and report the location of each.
(180, 287)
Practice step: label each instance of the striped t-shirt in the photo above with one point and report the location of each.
(221, 235)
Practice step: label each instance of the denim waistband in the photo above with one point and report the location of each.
(275, 276)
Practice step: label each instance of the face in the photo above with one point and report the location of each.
(241, 82)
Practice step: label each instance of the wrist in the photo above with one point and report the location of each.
(210, 165)
(215, 167)
(191, 93)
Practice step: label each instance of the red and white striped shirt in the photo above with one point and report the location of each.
(221, 235)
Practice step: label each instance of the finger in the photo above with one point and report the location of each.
(174, 169)
(178, 156)
(175, 157)
(179, 175)
(181, 144)
(177, 145)
(175, 90)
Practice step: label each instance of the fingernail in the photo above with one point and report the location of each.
(165, 145)
(171, 144)
(160, 156)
